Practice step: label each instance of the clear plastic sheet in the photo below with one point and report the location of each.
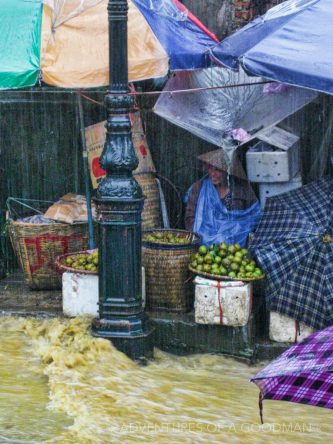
(165, 8)
(64, 10)
(242, 106)
(37, 219)
(287, 8)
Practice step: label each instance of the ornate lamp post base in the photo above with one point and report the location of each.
(138, 346)
(121, 316)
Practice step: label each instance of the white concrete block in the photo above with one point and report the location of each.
(285, 329)
(224, 303)
(79, 294)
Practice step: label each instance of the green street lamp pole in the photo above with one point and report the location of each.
(119, 203)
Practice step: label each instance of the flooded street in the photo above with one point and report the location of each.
(60, 385)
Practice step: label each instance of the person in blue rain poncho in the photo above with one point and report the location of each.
(222, 207)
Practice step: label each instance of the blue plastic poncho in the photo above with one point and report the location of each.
(216, 224)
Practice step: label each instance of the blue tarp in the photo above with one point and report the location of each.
(184, 38)
(292, 43)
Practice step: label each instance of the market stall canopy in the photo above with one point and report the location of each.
(65, 43)
(226, 107)
(292, 43)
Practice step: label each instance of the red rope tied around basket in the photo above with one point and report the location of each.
(219, 299)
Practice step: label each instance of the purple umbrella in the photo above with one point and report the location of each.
(303, 373)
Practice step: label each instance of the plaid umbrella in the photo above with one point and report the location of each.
(294, 246)
(303, 373)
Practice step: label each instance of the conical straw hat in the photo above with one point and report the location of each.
(216, 159)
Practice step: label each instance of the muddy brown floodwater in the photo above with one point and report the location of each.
(60, 385)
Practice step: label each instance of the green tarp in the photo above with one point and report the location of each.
(20, 35)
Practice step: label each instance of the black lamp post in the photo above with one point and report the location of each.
(119, 205)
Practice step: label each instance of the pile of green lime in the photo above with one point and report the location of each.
(166, 238)
(226, 260)
(83, 261)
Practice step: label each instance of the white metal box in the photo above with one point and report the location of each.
(275, 157)
(224, 303)
(273, 189)
(79, 294)
(285, 329)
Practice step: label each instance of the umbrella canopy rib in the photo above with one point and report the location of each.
(293, 244)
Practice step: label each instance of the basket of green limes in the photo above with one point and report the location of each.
(85, 262)
(225, 262)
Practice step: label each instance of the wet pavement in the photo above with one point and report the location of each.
(175, 333)
(16, 297)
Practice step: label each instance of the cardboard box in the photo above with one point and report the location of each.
(273, 189)
(275, 157)
(224, 303)
(95, 138)
(285, 329)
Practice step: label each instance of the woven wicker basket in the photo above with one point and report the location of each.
(151, 214)
(37, 246)
(168, 279)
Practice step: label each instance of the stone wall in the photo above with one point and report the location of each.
(225, 16)
(246, 10)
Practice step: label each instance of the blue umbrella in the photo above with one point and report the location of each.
(293, 244)
(292, 43)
